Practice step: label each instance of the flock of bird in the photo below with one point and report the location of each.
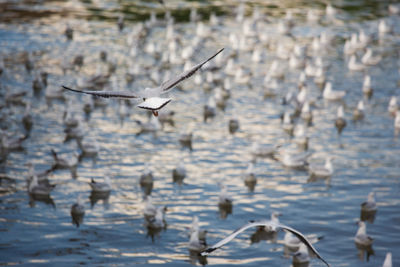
(217, 74)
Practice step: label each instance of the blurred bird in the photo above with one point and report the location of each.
(158, 221)
(370, 204)
(39, 190)
(147, 180)
(69, 32)
(388, 260)
(367, 89)
(233, 125)
(361, 238)
(392, 107)
(369, 59)
(397, 123)
(179, 173)
(209, 110)
(353, 65)
(340, 122)
(195, 244)
(224, 197)
(358, 113)
(250, 179)
(330, 94)
(149, 209)
(78, 212)
(185, 139)
(101, 187)
(69, 162)
(325, 171)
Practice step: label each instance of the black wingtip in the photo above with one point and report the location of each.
(70, 89)
(207, 251)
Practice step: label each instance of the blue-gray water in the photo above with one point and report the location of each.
(366, 156)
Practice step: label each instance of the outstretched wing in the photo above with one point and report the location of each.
(106, 94)
(165, 86)
(267, 224)
(303, 239)
(230, 237)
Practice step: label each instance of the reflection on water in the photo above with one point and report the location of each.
(365, 252)
(70, 139)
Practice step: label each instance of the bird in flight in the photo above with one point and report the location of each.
(267, 224)
(151, 96)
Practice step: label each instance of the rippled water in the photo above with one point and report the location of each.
(366, 156)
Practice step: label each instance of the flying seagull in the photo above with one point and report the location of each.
(267, 224)
(150, 96)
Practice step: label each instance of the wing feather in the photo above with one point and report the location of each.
(106, 94)
(165, 86)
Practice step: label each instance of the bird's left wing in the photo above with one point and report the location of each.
(168, 85)
(106, 94)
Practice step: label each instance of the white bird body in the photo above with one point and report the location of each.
(101, 187)
(224, 197)
(151, 96)
(361, 238)
(330, 94)
(294, 160)
(367, 89)
(301, 256)
(88, 148)
(267, 224)
(250, 179)
(330, 11)
(325, 171)
(260, 151)
(291, 241)
(340, 121)
(158, 221)
(179, 173)
(359, 111)
(149, 209)
(370, 204)
(392, 107)
(394, 9)
(65, 162)
(388, 260)
(195, 244)
(37, 189)
(383, 27)
(194, 227)
(306, 113)
(369, 59)
(397, 120)
(354, 65)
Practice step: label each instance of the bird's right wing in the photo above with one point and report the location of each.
(303, 239)
(106, 94)
(168, 85)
